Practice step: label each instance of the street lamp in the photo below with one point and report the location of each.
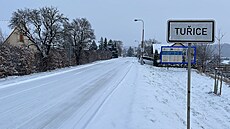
(142, 40)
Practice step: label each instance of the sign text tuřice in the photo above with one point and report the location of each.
(191, 31)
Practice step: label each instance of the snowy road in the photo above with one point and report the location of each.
(114, 94)
(66, 99)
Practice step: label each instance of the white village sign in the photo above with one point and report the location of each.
(190, 31)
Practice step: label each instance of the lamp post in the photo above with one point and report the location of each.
(142, 40)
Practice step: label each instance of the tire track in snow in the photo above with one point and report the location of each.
(101, 103)
(55, 118)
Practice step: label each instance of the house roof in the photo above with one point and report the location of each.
(12, 32)
(178, 44)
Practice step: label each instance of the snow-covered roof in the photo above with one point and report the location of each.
(225, 62)
(158, 46)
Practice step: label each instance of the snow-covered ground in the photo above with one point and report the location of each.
(114, 94)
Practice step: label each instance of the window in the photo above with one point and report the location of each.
(21, 38)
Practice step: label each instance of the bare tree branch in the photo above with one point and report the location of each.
(40, 26)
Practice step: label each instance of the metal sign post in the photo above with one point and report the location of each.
(189, 86)
(188, 31)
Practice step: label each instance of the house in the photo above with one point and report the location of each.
(16, 38)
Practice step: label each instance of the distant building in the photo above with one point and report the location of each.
(16, 38)
(157, 47)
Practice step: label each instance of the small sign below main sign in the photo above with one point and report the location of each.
(177, 55)
(191, 31)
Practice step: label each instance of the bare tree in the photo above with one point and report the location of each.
(219, 38)
(149, 46)
(204, 53)
(41, 27)
(119, 45)
(81, 34)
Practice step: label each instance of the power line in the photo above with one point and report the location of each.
(4, 20)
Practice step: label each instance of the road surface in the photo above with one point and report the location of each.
(64, 99)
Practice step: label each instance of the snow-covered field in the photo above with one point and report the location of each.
(114, 94)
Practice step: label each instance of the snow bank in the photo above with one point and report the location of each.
(155, 98)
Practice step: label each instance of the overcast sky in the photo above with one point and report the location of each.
(114, 19)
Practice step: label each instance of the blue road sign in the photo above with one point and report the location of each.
(177, 55)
